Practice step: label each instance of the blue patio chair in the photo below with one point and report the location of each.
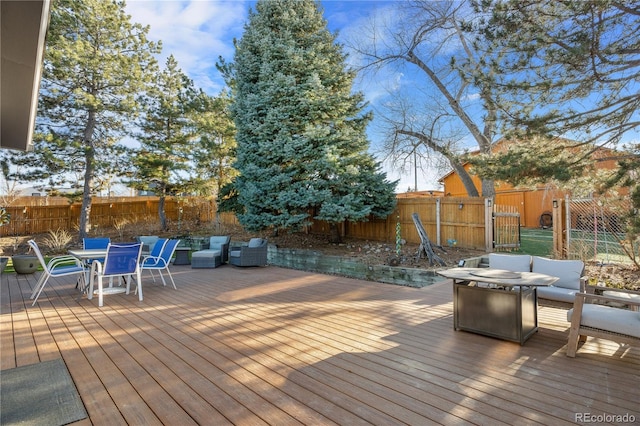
(58, 266)
(95, 243)
(121, 260)
(156, 251)
(161, 263)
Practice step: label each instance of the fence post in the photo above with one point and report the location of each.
(488, 225)
(558, 230)
(566, 212)
(438, 223)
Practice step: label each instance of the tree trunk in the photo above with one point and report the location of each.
(334, 233)
(161, 213)
(488, 188)
(85, 211)
(466, 179)
(90, 158)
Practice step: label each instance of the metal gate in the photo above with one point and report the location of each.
(506, 228)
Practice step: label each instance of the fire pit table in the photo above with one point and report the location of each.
(496, 302)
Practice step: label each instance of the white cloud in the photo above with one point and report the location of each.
(195, 32)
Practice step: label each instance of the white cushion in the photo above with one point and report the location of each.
(610, 319)
(560, 294)
(568, 271)
(510, 262)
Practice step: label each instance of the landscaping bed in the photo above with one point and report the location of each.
(368, 259)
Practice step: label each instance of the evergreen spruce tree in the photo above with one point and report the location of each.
(95, 64)
(214, 148)
(302, 146)
(165, 138)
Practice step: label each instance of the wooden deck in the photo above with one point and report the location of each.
(282, 347)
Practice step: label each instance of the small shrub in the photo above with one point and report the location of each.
(58, 241)
(121, 226)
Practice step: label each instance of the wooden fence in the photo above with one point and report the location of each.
(449, 221)
(106, 213)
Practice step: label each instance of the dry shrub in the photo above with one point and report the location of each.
(57, 241)
(121, 225)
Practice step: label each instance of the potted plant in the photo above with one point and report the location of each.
(5, 217)
(22, 263)
(25, 263)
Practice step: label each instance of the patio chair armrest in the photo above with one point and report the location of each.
(148, 256)
(584, 284)
(158, 261)
(96, 268)
(586, 297)
(64, 259)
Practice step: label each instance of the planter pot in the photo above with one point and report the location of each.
(3, 263)
(25, 264)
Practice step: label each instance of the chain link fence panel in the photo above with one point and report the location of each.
(596, 230)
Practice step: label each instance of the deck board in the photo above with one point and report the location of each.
(284, 347)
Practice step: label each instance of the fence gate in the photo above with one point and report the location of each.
(506, 227)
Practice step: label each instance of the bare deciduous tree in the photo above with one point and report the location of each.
(426, 38)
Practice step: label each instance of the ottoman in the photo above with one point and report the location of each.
(206, 259)
(216, 253)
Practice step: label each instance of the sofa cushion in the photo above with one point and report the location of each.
(217, 242)
(610, 319)
(255, 242)
(559, 294)
(510, 262)
(568, 271)
(621, 294)
(206, 253)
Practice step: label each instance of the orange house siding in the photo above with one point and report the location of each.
(530, 202)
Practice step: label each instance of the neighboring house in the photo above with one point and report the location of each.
(534, 204)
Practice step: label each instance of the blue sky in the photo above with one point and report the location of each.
(197, 32)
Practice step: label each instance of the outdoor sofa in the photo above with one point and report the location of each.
(561, 294)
